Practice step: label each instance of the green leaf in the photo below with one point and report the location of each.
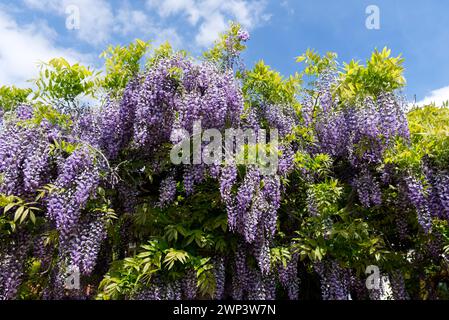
(24, 215)
(9, 207)
(18, 213)
(173, 256)
(32, 217)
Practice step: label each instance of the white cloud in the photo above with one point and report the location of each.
(96, 17)
(138, 18)
(25, 46)
(99, 21)
(438, 97)
(210, 29)
(96, 20)
(129, 21)
(212, 15)
(166, 8)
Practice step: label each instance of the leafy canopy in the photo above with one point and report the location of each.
(122, 64)
(11, 97)
(264, 84)
(382, 73)
(60, 81)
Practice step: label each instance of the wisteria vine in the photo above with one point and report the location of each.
(99, 198)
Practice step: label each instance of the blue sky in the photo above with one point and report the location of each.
(35, 30)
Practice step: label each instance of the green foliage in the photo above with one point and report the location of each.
(430, 131)
(337, 229)
(17, 211)
(126, 277)
(7, 225)
(63, 147)
(47, 190)
(319, 164)
(122, 64)
(443, 228)
(382, 73)
(227, 46)
(316, 64)
(22, 209)
(326, 195)
(280, 256)
(264, 84)
(173, 255)
(45, 112)
(184, 236)
(206, 279)
(164, 51)
(59, 81)
(335, 232)
(405, 156)
(11, 97)
(429, 134)
(314, 230)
